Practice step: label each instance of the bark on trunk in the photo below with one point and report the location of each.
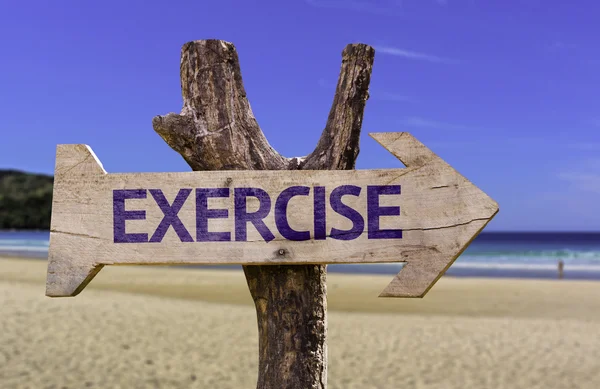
(216, 130)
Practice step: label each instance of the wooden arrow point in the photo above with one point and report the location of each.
(471, 211)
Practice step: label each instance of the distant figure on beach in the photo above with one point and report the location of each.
(561, 266)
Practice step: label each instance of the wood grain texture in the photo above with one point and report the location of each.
(440, 213)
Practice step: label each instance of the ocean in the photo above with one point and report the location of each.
(492, 254)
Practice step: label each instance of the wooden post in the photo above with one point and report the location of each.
(216, 130)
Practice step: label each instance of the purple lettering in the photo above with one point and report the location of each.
(371, 221)
(358, 223)
(203, 214)
(242, 217)
(374, 211)
(120, 215)
(171, 218)
(320, 213)
(281, 213)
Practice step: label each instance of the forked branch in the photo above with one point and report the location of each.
(216, 130)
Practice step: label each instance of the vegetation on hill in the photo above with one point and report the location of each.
(25, 200)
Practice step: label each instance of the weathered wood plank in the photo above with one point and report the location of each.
(439, 213)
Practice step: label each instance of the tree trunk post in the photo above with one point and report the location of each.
(216, 130)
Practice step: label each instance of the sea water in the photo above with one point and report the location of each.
(25, 243)
(501, 254)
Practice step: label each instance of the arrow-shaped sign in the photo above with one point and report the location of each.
(424, 215)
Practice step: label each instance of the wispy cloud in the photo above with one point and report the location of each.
(377, 95)
(414, 55)
(586, 177)
(386, 96)
(357, 5)
(582, 181)
(452, 145)
(323, 83)
(560, 45)
(418, 122)
(387, 7)
(585, 146)
(563, 49)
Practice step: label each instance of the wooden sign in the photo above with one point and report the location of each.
(424, 215)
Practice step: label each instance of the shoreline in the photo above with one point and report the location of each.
(458, 269)
(489, 297)
(495, 254)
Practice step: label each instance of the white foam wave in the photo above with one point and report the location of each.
(39, 249)
(523, 266)
(27, 242)
(506, 266)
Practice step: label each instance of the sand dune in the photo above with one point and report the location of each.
(137, 327)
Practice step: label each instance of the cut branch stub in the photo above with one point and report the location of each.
(216, 130)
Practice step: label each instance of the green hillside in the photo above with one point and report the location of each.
(25, 200)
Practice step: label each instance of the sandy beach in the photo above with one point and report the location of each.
(148, 327)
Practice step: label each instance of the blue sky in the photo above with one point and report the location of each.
(504, 91)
